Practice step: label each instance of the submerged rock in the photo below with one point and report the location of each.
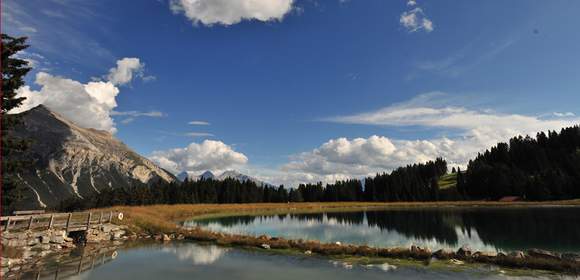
(571, 257)
(479, 254)
(420, 250)
(517, 255)
(444, 254)
(538, 253)
(264, 237)
(464, 251)
(265, 246)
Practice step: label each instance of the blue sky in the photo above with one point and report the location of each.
(303, 90)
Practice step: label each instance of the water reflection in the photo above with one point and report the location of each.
(75, 266)
(195, 261)
(198, 255)
(503, 229)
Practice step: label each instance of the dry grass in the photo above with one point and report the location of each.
(164, 218)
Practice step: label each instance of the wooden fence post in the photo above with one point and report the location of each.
(7, 224)
(101, 218)
(68, 221)
(110, 216)
(89, 220)
(30, 222)
(51, 221)
(80, 267)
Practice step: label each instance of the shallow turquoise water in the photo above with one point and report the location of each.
(193, 261)
(485, 229)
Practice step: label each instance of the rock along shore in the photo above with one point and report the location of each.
(24, 249)
(532, 259)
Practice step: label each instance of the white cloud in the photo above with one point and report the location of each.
(564, 115)
(478, 130)
(35, 60)
(411, 3)
(130, 116)
(198, 157)
(198, 123)
(28, 29)
(153, 114)
(228, 12)
(126, 68)
(89, 105)
(415, 20)
(198, 134)
(426, 110)
(343, 158)
(198, 255)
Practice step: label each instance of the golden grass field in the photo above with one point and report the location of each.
(165, 218)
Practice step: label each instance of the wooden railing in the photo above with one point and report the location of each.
(68, 221)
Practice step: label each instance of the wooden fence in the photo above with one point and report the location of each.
(75, 221)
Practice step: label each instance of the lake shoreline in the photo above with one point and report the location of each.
(161, 223)
(143, 218)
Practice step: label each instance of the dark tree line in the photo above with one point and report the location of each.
(187, 192)
(412, 183)
(418, 182)
(543, 168)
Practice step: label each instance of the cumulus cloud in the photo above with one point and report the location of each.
(89, 104)
(330, 162)
(198, 157)
(347, 158)
(126, 68)
(415, 19)
(228, 12)
(478, 130)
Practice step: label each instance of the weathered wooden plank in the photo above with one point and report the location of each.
(30, 222)
(51, 222)
(68, 221)
(28, 212)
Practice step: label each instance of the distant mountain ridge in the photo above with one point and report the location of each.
(226, 174)
(68, 161)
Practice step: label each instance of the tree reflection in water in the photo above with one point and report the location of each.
(503, 229)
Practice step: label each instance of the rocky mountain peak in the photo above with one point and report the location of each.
(69, 161)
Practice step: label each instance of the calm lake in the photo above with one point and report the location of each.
(484, 229)
(194, 261)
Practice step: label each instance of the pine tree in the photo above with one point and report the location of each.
(13, 71)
